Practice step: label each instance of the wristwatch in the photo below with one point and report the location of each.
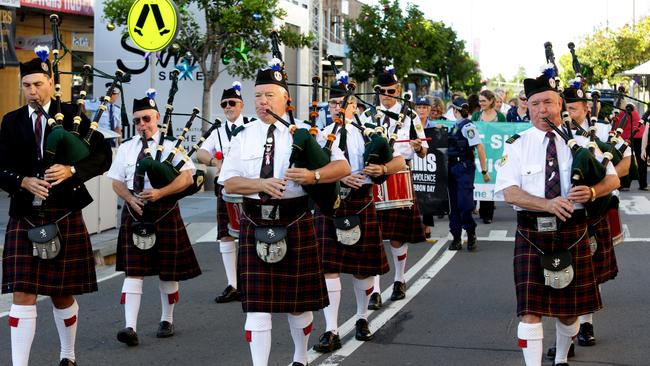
(593, 194)
(385, 168)
(73, 171)
(484, 172)
(316, 176)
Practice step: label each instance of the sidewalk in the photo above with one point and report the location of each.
(197, 209)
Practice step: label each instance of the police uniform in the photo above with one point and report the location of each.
(112, 117)
(295, 283)
(462, 139)
(24, 267)
(218, 145)
(403, 225)
(524, 164)
(171, 258)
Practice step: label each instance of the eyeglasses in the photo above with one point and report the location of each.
(334, 103)
(523, 99)
(387, 91)
(145, 119)
(231, 103)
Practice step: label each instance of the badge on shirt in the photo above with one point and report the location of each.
(503, 161)
(470, 133)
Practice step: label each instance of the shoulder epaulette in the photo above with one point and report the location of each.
(129, 139)
(602, 121)
(512, 139)
(170, 138)
(246, 120)
(239, 129)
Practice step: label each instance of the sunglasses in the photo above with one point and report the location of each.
(387, 91)
(231, 103)
(334, 103)
(523, 99)
(145, 119)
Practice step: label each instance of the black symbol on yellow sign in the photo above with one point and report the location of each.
(160, 23)
(153, 35)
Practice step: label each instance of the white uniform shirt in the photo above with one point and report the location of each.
(218, 139)
(123, 167)
(524, 165)
(105, 121)
(404, 148)
(247, 151)
(355, 145)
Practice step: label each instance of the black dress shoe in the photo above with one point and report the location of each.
(560, 364)
(363, 332)
(67, 362)
(229, 294)
(471, 242)
(328, 342)
(297, 364)
(165, 329)
(128, 336)
(586, 335)
(550, 355)
(375, 301)
(399, 291)
(487, 221)
(456, 244)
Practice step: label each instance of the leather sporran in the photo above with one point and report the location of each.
(144, 235)
(558, 269)
(271, 243)
(348, 229)
(46, 242)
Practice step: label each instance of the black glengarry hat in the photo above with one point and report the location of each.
(542, 83)
(388, 77)
(232, 93)
(574, 92)
(40, 64)
(272, 75)
(145, 103)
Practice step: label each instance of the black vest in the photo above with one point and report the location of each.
(458, 146)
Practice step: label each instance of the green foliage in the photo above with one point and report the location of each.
(384, 35)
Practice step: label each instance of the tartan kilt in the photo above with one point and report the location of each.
(71, 272)
(533, 297)
(171, 258)
(365, 258)
(293, 285)
(222, 213)
(604, 258)
(402, 224)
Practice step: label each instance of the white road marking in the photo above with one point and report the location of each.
(348, 326)
(635, 205)
(391, 310)
(210, 236)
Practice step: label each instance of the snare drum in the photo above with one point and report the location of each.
(233, 206)
(614, 220)
(395, 192)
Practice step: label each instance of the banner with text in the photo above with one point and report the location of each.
(8, 37)
(429, 175)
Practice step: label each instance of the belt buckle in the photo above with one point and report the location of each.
(546, 224)
(344, 192)
(267, 212)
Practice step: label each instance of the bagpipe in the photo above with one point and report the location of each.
(306, 152)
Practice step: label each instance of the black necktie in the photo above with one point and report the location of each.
(111, 117)
(38, 135)
(229, 131)
(343, 143)
(267, 163)
(552, 187)
(138, 181)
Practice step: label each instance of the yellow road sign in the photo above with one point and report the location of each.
(153, 24)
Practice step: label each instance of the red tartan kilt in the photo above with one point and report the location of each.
(533, 297)
(293, 285)
(72, 272)
(365, 258)
(171, 258)
(222, 213)
(604, 258)
(402, 224)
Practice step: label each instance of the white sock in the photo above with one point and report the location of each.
(300, 326)
(530, 341)
(229, 256)
(362, 291)
(563, 337)
(258, 335)
(22, 320)
(131, 296)
(66, 325)
(168, 297)
(377, 286)
(587, 318)
(331, 312)
(399, 258)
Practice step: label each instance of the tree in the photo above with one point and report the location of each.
(235, 40)
(384, 34)
(519, 77)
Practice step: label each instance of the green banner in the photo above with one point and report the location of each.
(494, 136)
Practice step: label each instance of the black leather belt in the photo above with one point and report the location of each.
(287, 208)
(529, 219)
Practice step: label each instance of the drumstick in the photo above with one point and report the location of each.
(424, 139)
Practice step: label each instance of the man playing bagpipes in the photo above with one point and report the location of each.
(152, 240)
(551, 189)
(47, 249)
(279, 257)
(399, 225)
(351, 240)
(212, 153)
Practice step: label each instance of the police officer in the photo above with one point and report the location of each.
(111, 119)
(535, 177)
(401, 225)
(171, 257)
(212, 152)
(43, 195)
(462, 140)
(279, 258)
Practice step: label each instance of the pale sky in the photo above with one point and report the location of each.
(511, 33)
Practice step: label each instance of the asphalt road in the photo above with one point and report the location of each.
(460, 310)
